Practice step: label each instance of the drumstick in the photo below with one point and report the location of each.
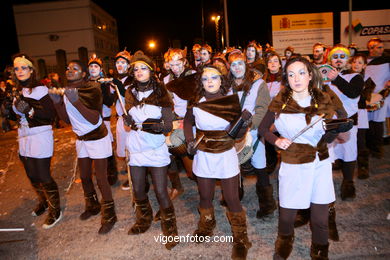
(198, 141)
(120, 98)
(307, 128)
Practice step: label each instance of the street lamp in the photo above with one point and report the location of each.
(216, 20)
(152, 46)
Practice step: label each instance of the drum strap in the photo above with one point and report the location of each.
(256, 144)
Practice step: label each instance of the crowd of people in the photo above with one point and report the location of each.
(221, 117)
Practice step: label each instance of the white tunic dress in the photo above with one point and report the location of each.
(258, 158)
(146, 149)
(213, 165)
(35, 142)
(94, 149)
(345, 146)
(302, 184)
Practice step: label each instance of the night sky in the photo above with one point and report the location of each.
(165, 21)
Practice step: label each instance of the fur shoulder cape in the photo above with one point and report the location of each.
(90, 94)
(164, 100)
(227, 107)
(284, 103)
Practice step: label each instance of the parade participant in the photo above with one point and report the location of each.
(196, 52)
(273, 78)
(254, 97)
(378, 70)
(221, 63)
(122, 65)
(81, 106)
(288, 53)
(358, 65)
(149, 107)
(205, 54)
(251, 53)
(305, 174)
(180, 69)
(319, 54)
(95, 68)
(36, 114)
(215, 157)
(348, 87)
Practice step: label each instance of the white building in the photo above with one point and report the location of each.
(43, 28)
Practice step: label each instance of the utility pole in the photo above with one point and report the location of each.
(225, 15)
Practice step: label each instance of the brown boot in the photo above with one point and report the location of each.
(333, 233)
(347, 190)
(42, 202)
(92, 206)
(144, 217)
(177, 188)
(112, 170)
(206, 223)
(168, 226)
(319, 252)
(283, 246)
(267, 203)
(108, 217)
(241, 242)
(53, 200)
(302, 218)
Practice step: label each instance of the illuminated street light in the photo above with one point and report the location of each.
(216, 20)
(152, 44)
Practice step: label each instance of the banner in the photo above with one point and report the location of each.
(301, 31)
(366, 25)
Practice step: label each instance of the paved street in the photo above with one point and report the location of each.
(364, 223)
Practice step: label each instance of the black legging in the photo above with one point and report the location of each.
(37, 170)
(85, 165)
(160, 182)
(206, 188)
(318, 222)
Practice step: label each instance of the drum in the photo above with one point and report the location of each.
(244, 148)
(176, 142)
(376, 102)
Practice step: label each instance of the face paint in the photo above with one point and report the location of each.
(251, 53)
(298, 77)
(211, 81)
(238, 69)
(204, 56)
(74, 72)
(121, 66)
(177, 67)
(141, 72)
(22, 71)
(94, 70)
(339, 59)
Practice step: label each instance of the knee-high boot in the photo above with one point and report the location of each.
(53, 200)
(112, 170)
(319, 252)
(42, 202)
(177, 187)
(267, 203)
(144, 217)
(283, 246)
(168, 225)
(241, 242)
(347, 186)
(108, 217)
(92, 206)
(333, 233)
(206, 222)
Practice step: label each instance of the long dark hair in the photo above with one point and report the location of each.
(154, 83)
(247, 81)
(32, 81)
